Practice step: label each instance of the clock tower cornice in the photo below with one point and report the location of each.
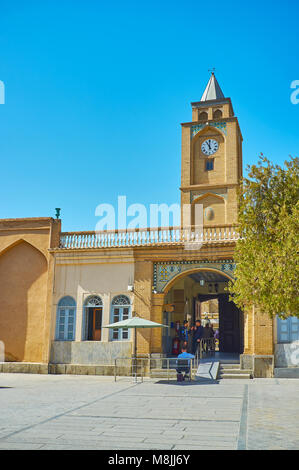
(211, 121)
(208, 186)
(212, 104)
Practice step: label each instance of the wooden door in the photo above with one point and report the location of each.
(229, 326)
(197, 310)
(97, 324)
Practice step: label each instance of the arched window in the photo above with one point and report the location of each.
(121, 310)
(93, 301)
(217, 114)
(66, 319)
(93, 311)
(203, 116)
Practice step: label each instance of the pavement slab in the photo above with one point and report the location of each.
(94, 412)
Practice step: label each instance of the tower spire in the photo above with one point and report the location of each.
(213, 90)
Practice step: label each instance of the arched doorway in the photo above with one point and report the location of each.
(92, 318)
(202, 294)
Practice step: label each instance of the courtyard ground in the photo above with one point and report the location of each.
(92, 412)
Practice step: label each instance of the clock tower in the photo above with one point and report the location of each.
(211, 160)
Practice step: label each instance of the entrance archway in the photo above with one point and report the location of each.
(202, 294)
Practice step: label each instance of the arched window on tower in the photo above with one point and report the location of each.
(121, 310)
(203, 116)
(217, 114)
(66, 319)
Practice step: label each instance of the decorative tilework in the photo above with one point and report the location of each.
(219, 125)
(196, 129)
(228, 267)
(164, 272)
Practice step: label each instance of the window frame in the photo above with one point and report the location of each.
(207, 162)
(92, 301)
(218, 114)
(289, 331)
(69, 314)
(120, 334)
(203, 115)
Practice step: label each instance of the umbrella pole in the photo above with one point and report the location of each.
(135, 351)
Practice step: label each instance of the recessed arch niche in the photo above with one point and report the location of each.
(23, 293)
(213, 209)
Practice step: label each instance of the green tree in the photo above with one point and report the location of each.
(267, 272)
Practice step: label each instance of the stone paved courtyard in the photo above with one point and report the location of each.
(92, 412)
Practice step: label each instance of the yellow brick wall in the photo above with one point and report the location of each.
(142, 301)
(258, 332)
(186, 155)
(157, 316)
(198, 159)
(262, 333)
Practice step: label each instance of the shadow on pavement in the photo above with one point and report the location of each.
(187, 383)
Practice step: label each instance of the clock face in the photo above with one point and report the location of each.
(209, 146)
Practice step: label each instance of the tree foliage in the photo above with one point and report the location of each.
(267, 271)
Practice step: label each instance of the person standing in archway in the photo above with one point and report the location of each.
(197, 336)
(208, 334)
(184, 335)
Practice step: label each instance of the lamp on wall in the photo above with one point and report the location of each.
(130, 288)
(202, 282)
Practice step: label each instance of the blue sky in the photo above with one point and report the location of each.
(96, 92)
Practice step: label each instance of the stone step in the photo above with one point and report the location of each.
(163, 374)
(234, 376)
(235, 371)
(165, 370)
(229, 366)
(24, 367)
(286, 372)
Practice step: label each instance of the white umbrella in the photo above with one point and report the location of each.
(135, 322)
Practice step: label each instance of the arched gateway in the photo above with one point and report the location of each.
(192, 291)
